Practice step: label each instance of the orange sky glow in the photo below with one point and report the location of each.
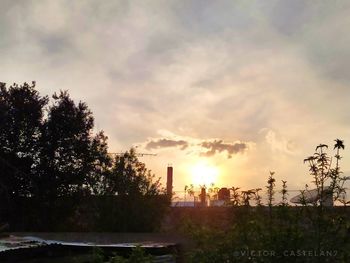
(225, 91)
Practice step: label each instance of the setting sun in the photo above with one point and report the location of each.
(203, 173)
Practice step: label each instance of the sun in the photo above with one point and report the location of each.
(204, 173)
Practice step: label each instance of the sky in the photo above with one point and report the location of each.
(237, 88)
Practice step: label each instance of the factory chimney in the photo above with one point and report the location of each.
(169, 181)
(203, 196)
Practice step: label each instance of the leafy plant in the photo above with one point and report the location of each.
(138, 255)
(284, 193)
(284, 233)
(270, 189)
(235, 196)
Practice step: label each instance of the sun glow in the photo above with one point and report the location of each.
(203, 173)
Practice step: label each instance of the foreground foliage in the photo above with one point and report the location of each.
(56, 173)
(137, 255)
(310, 232)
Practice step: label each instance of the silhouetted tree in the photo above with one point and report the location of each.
(235, 196)
(53, 168)
(129, 176)
(190, 191)
(257, 196)
(21, 118)
(96, 179)
(324, 172)
(270, 189)
(337, 182)
(213, 192)
(133, 199)
(71, 156)
(284, 193)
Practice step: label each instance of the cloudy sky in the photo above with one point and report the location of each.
(245, 87)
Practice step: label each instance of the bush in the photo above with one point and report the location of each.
(306, 233)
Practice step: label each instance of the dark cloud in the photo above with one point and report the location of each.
(166, 143)
(289, 17)
(207, 17)
(53, 44)
(218, 146)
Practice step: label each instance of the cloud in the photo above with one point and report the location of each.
(196, 146)
(205, 70)
(279, 143)
(218, 146)
(166, 143)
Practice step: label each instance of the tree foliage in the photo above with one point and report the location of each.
(129, 176)
(21, 117)
(70, 153)
(49, 152)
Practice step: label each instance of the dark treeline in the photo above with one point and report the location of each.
(56, 174)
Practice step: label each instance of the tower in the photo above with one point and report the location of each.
(169, 181)
(203, 196)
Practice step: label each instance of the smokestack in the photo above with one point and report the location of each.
(203, 196)
(169, 181)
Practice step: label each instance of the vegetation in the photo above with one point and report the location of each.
(98, 255)
(56, 174)
(137, 255)
(54, 169)
(279, 232)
